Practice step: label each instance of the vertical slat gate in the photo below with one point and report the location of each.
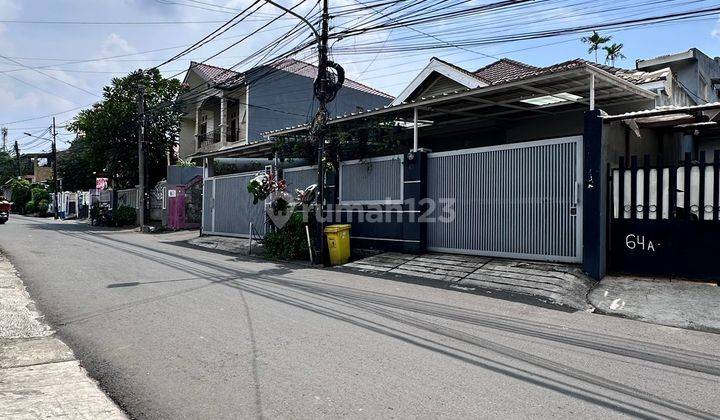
(372, 181)
(233, 209)
(516, 201)
(207, 208)
(300, 178)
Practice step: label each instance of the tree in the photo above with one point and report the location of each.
(107, 133)
(595, 41)
(612, 53)
(20, 194)
(75, 167)
(8, 167)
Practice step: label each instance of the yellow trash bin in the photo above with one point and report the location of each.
(338, 240)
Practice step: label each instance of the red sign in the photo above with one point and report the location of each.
(101, 184)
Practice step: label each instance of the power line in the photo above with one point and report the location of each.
(48, 75)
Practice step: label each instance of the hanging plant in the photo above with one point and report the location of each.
(308, 195)
(263, 185)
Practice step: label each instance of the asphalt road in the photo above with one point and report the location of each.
(177, 332)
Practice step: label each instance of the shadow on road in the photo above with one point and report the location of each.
(406, 319)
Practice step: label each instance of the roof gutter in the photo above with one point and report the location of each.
(664, 111)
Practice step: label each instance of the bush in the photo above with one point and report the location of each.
(124, 216)
(30, 207)
(42, 208)
(39, 194)
(288, 243)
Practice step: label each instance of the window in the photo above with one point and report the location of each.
(202, 130)
(233, 129)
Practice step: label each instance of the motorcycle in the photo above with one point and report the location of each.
(4, 211)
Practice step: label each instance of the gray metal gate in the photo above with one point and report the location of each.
(228, 208)
(517, 201)
(300, 178)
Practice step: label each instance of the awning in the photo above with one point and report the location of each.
(562, 88)
(258, 149)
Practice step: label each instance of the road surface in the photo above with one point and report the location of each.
(172, 331)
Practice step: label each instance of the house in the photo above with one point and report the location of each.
(693, 71)
(226, 112)
(42, 167)
(521, 157)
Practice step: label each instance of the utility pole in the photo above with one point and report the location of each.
(17, 159)
(4, 136)
(321, 124)
(141, 156)
(55, 175)
(324, 93)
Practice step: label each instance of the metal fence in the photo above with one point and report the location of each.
(665, 217)
(228, 208)
(664, 192)
(300, 178)
(372, 181)
(518, 201)
(128, 197)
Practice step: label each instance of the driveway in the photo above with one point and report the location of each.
(177, 332)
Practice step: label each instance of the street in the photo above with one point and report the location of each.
(172, 331)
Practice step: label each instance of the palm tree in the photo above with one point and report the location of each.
(612, 53)
(595, 40)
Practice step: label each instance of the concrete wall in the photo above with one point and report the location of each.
(689, 73)
(708, 68)
(187, 137)
(177, 175)
(293, 94)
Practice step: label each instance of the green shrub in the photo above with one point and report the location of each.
(288, 243)
(124, 215)
(30, 207)
(39, 194)
(43, 206)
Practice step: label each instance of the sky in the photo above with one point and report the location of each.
(28, 97)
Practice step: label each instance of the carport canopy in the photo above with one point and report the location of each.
(575, 85)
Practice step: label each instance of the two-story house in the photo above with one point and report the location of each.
(694, 72)
(226, 111)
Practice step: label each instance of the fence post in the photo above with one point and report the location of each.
(716, 184)
(701, 193)
(415, 192)
(594, 197)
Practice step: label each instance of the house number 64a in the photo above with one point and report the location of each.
(633, 241)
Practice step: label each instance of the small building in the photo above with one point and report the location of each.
(42, 167)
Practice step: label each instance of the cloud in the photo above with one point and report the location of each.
(9, 9)
(113, 45)
(715, 33)
(31, 102)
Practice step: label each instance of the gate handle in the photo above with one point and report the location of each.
(575, 193)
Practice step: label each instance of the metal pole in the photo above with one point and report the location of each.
(141, 157)
(322, 122)
(17, 159)
(4, 136)
(55, 175)
(592, 92)
(415, 129)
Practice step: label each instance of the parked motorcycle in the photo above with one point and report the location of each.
(4, 210)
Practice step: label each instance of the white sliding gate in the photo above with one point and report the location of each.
(519, 200)
(228, 208)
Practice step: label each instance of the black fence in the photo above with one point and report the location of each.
(665, 217)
